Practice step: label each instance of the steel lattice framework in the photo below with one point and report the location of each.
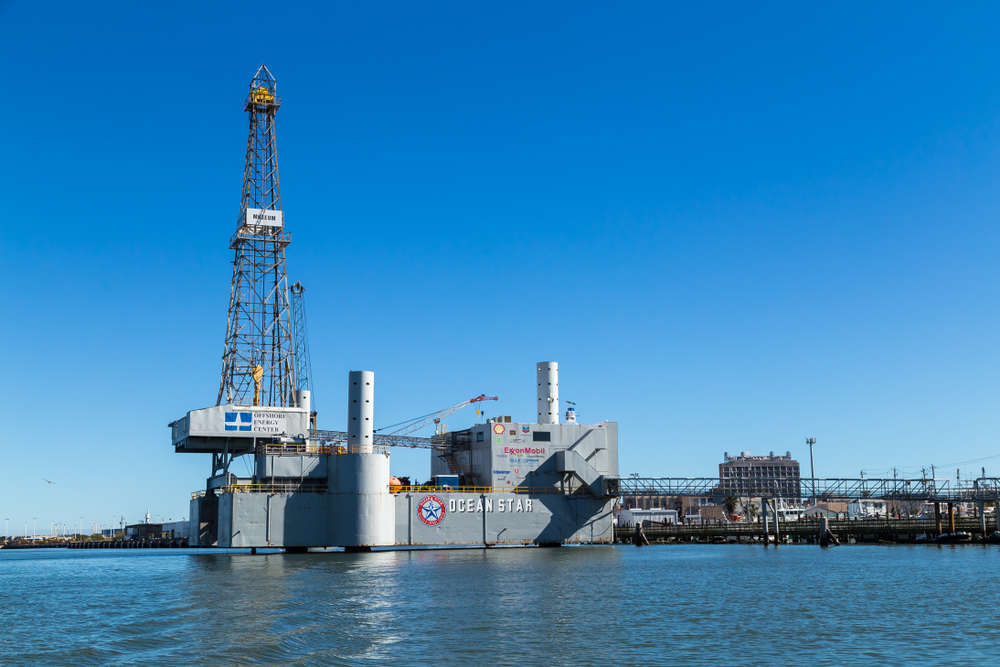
(303, 362)
(257, 365)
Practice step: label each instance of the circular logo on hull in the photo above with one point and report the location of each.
(430, 510)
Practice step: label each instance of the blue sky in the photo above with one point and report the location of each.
(734, 227)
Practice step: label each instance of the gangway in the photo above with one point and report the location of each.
(822, 490)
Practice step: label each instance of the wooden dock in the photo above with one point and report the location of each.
(155, 543)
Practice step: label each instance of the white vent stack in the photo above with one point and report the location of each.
(303, 399)
(548, 392)
(360, 412)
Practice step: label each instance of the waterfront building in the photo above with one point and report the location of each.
(781, 473)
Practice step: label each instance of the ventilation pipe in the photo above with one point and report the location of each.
(360, 412)
(303, 400)
(548, 392)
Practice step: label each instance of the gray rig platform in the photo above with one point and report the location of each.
(519, 483)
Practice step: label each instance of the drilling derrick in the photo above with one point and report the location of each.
(257, 364)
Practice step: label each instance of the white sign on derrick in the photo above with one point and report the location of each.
(258, 217)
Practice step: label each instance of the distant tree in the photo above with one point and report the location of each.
(730, 504)
(750, 510)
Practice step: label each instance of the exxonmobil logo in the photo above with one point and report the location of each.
(523, 450)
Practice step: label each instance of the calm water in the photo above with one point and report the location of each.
(668, 605)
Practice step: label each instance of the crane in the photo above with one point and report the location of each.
(414, 425)
(401, 436)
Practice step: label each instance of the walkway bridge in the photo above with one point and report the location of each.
(984, 489)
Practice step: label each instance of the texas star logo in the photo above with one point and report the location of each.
(431, 510)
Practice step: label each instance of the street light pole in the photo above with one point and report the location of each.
(812, 470)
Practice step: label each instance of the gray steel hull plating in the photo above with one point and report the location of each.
(431, 518)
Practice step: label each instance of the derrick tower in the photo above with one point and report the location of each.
(257, 364)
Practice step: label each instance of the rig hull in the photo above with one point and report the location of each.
(419, 518)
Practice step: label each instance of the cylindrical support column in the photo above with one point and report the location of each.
(982, 517)
(361, 509)
(360, 412)
(937, 517)
(824, 530)
(548, 392)
(951, 517)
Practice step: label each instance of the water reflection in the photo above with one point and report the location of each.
(658, 605)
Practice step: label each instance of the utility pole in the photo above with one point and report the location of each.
(812, 470)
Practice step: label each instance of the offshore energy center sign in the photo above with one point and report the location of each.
(260, 422)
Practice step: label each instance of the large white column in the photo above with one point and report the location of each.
(360, 412)
(361, 509)
(548, 392)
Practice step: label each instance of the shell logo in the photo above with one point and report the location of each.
(499, 429)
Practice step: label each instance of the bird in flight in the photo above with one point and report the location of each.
(48, 480)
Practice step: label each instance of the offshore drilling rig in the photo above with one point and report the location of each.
(497, 482)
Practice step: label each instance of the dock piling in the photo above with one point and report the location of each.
(765, 507)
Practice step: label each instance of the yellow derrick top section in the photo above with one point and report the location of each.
(261, 95)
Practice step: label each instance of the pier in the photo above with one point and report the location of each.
(906, 501)
(154, 543)
(804, 531)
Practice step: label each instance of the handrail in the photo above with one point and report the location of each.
(306, 487)
(310, 449)
(321, 487)
(520, 490)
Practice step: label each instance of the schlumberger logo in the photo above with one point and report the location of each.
(239, 421)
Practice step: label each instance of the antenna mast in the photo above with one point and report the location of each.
(257, 363)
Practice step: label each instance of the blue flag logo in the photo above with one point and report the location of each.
(239, 421)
